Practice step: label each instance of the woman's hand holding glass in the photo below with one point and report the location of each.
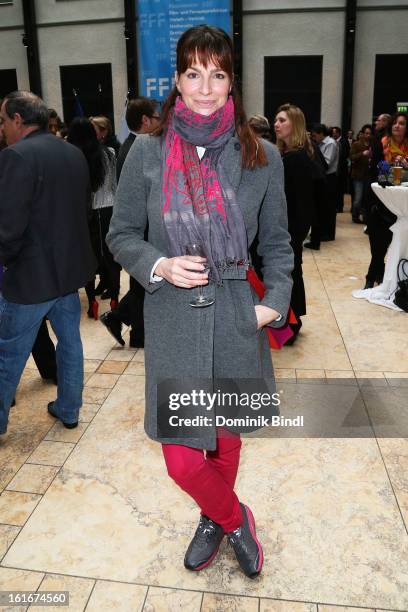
(401, 161)
(186, 271)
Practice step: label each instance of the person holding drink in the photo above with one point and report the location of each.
(203, 183)
(395, 152)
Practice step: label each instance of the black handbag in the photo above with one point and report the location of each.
(401, 295)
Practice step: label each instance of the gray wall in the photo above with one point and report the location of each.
(12, 52)
(49, 11)
(376, 34)
(11, 14)
(250, 5)
(59, 45)
(294, 34)
(271, 28)
(83, 44)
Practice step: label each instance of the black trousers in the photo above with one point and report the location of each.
(298, 297)
(130, 310)
(341, 189)
(99, 227)
(328, 226)
(324, 218)
(380, 237)
(43, 353)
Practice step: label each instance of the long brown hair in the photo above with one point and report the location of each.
(205, 44)
(298, 138)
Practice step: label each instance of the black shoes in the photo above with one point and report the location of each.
(204, 546)
(246, 545)
(113, 325)
(136, 341)
(310, 245)
(106, 295)
(52, 413)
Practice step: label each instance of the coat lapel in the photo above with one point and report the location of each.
(231, 162)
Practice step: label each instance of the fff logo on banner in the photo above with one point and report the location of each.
(158, 87)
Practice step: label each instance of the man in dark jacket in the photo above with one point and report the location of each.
(141, 117)
(45, 249)
(360, 171)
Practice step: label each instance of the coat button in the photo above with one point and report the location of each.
(237, 146)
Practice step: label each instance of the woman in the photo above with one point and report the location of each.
(395, 151)
(204, 177)
(360, 155)
(301, 173)
(102, 168)
(104, 132)
(260, 125)
(395, 144)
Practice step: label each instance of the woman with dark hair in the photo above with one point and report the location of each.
(202, 184)
(395, 151)
(395, 143)
(102, 169)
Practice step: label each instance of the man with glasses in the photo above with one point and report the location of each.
(142, 118)
(45, 248)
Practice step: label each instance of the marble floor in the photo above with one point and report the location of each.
(91, 510)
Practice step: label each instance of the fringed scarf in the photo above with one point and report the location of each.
(198, 201)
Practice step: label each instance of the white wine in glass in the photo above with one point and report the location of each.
(200, 301)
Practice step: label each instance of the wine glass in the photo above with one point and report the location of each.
(196, 248)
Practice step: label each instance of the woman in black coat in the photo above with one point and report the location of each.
(82, 134)
(301, 175)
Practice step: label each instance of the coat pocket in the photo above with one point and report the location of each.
(244, 304)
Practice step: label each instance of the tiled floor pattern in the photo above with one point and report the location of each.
(92, 511)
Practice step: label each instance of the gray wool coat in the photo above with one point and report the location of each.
(220, 341)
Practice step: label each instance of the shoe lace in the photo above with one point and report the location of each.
(205, 530)
(235, 537)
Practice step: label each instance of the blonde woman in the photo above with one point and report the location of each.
(104, 132)
(301, 175)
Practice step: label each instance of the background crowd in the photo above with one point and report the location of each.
(321, 166)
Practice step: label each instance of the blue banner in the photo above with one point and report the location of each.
(160, 25)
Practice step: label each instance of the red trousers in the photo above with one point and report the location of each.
(209, 477)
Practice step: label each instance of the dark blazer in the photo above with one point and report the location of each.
(300, 192)
(123, 151)
(44, 236)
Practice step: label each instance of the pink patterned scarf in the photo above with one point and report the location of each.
(198, 201)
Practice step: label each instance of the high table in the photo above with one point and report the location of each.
(396, 200)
